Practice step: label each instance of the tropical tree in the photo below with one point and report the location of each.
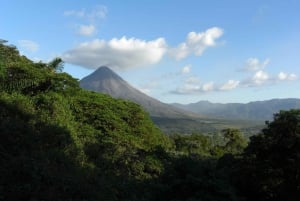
(270, 169)
(56, 65)
(235, 141)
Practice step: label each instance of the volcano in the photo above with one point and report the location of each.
(105, 80)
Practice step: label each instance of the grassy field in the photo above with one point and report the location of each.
(206, 125)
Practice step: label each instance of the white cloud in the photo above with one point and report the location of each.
(88, 20)
(287, 76)
(98, 12)
(132, 52)
(144, 90)
(29, 45)
(207, 38)
(186, 69)
(292, 77)
(208, 86)
(187, 89)
(87, 30)
(230, 84)
(282, 76)
(192, 80)
(76, 13)
(196, 43)
(148, 87)
(260, 77)
(181, 52)
(253, 64)
(190, 88)
(120, 53)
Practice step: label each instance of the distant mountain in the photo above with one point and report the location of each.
(168, 118)
(106, 81)
(258, 110)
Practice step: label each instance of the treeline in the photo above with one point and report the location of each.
(60, 142)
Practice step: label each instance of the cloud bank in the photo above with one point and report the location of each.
(287, 76)
(253, 64)
(261, 77)
(87, 30)
(120, 53)
(133, 52)
(190, 88)
(258, 77)
(193, 86)
(229, 85)
(196, 43)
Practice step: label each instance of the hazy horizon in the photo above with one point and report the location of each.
(257, 100)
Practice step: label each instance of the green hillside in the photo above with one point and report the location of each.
(56, 138)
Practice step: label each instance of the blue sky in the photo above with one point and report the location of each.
(176, 51)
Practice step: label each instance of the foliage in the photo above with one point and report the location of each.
(235, 141)
(59, 142)
(195, 144)
(195, 178)
(271, 163)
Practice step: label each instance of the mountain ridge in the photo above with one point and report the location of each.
(254, 110)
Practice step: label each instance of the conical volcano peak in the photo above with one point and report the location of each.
(106, 69)
(104, 73)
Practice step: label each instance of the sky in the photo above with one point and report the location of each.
(181, 51)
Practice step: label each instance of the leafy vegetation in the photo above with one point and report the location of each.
(60, 142)
(272, 160)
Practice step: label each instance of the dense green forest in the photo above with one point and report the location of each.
(60, 142)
